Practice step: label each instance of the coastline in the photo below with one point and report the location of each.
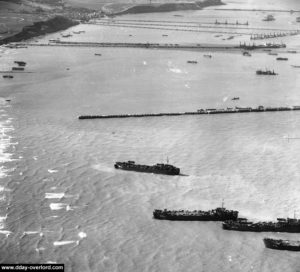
(40, 28)
(65, 17)
(121, 9)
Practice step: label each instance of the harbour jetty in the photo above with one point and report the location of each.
(198, 112)
(202, 46)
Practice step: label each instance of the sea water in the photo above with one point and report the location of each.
(62, 201)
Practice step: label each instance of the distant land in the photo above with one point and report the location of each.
(40, 28)
(23, 19)
(119, 9)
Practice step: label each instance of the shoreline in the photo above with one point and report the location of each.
(40, 28)
(164, 7)
(67, 17)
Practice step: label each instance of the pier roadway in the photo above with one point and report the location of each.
(171, 28)
(192, 24)
(199, 112)
(216, 47)
(261, 10)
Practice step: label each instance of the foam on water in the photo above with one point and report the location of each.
(82, 235)
(54, 195)
(51, 171)
(103, 168)
(57, 206)
(5, 232)
(30, 232)
(63, 243)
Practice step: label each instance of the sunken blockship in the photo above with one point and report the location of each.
(218, 214)
(282, 225)
(282, 244)
(165, 169)
(198, 112)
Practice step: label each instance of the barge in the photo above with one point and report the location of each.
(280, 244)
(281, 225)
(159, 168)
(218, 214)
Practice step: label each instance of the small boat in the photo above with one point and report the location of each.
(295, 66)
(17, 69)
(269, 18)
(235, 98)
(246, 54)
(192, 61)
(164, 35)
(7, 76)
(273, 54)
(98, 54)
(292, 51)
(281, 58)
(207, 56)
(266, 72)
(20, 63)
(66, 35)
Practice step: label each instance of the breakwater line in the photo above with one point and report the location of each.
(198, 112)
(159, 45)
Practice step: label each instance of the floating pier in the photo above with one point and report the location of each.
(241, 46)
(198, 112)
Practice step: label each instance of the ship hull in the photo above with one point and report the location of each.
(148, 170)
(261, 229)
(275, 244)
(219, 214)
(193, 218)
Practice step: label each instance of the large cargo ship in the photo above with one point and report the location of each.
(159, 168)
(282, 225)
(218, 214)
(282, 244)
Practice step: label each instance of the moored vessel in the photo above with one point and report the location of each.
(20, 63)
(218, 214)
(159, 168)
(282, 225)
(280, 244)
(269, 18)
(266, 72)
(7, 76)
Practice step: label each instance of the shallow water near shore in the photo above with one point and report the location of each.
(61, 198)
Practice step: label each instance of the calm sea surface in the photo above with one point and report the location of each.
(61, 200)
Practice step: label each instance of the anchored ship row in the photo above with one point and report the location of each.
(232, 222)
